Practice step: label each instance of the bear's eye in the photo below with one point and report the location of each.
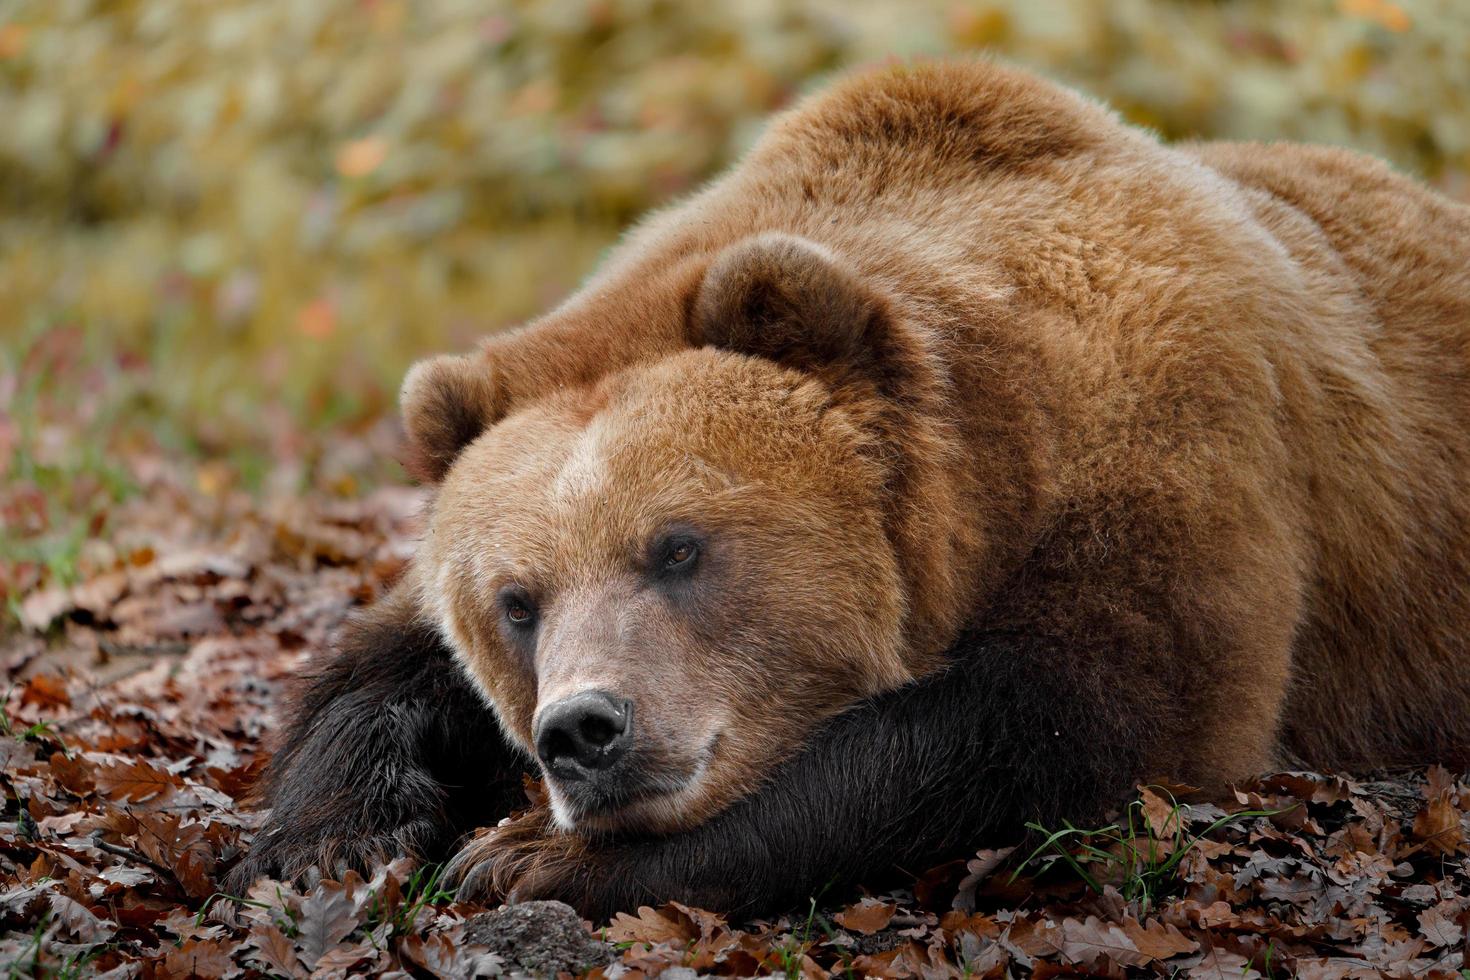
(680, 553)
(518, 609)
(675, 554)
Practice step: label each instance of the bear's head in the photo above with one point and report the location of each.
(663, 581)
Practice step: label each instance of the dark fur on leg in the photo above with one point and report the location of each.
(1018, 728)
(389, 751)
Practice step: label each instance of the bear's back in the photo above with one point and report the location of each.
(1300, 315)
(1262, 345)
(1386, 644)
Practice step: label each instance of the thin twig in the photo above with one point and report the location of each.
(132, 855)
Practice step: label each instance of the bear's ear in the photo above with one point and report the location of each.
(446, 401)
(786, 299)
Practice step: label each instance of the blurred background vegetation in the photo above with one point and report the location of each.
(226, 226)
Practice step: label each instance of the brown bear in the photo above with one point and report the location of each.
(960, 457)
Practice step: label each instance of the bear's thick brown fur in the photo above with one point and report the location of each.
(1160, 455)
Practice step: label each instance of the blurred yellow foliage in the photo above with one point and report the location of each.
(282, 199)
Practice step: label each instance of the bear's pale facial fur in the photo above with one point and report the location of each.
(564, 510)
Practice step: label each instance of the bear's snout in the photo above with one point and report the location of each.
(583, 735)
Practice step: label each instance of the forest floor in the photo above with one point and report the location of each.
(158, 607)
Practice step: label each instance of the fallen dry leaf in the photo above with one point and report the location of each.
(327, 918)
(867, 917)
(1441, 925)
(650, 926)
(1440, 825)
(273, 950)
(133, 782)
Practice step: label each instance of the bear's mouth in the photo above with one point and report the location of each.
(642, 792)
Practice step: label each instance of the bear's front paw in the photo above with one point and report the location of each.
(524, 858)
(286, 852)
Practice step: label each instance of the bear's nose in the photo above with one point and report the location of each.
(584, 733)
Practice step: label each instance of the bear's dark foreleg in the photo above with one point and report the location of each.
(389, 750)
(1017, 728)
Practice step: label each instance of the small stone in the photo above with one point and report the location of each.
(540, 938)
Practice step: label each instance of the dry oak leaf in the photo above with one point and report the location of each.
(1218, 964)
(186, 925)
(327, 918)
(1158, 940)
(1335, 968)
(343, 958)
(867, 917)
(1439, 826)
(79, 920)
(909, 960)
(1311, 787)
(273, 949)
(1440, 781)
(1441, 924)
(16, 756)
(269, 904)
(1086, 940)
(76, 774)
(1205, 916)
(208, 959)
(1163, 816)
(134, 782)
(981, 958)
(438, 954)
(46, 692)
(1035, 938)
(709, 924)
(62, 824)
(651, 926)
(980, 869)
(186, 850)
